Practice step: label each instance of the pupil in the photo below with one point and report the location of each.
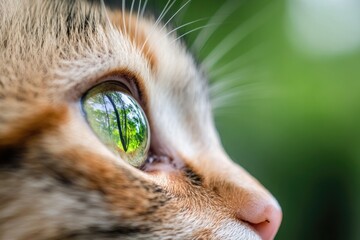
(120, 121)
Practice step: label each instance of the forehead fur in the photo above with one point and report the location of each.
(52, 48)
(48, 31)
(43, 36)
(30, 28)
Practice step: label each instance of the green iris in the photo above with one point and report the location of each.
(118, 121)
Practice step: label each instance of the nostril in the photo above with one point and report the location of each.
(265, 222)
(268, 228)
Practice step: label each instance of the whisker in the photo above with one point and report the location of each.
(184, 25)
(162, 15)
(216, 106)
(143, 9)
(193, 30)
(234, 38)
(232, 75)
(137, 19)
(164, 12)
(234, 89)
(123, 15)
(221, 88)
(219, 16)
(224, 107)
(131, 11)
(225, 100)
(230, 87)
(236, 63)
(229, 98)
(237, 101)
(103, 10)
(175, 14)
(180, 16)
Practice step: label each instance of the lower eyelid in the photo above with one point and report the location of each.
(161, 163)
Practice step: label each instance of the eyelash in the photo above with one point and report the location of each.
(120, 76)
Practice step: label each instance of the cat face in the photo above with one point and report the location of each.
(59, 180)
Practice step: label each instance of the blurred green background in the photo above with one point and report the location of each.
(285, 78)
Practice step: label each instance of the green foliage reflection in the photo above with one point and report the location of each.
(119, 122)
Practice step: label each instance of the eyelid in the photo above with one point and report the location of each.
(127, 83)
(77, 87)
(130, 80)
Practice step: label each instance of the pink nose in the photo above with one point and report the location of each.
(265, 218)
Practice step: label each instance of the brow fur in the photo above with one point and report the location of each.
(60, 31)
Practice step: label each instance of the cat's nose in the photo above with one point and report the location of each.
(264, 216)
(248, 201)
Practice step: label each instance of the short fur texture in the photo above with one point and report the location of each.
(58, 181)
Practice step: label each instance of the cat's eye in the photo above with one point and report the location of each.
(119, 121)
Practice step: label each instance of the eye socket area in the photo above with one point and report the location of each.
(118, 121)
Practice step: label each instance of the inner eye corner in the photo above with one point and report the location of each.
(160, 161)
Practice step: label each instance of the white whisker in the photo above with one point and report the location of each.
(248, 90)
(236, 63)
(123, 15)
(137, 19)
(234, 38)
(224, 107)
(143, 8)
(175, 14)
(229, 89)
(193, 30)
(103, 9)
(180, 16)
(162, 15)
(218, 17)
(229, 77)
(240, 87)
(237, 101)
(184, 25)
(225, 100)
(219, 87)
(164, 12)
(131, 11)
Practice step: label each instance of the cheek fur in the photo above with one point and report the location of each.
(68, 184)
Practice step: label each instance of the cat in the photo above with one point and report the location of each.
(71, 69)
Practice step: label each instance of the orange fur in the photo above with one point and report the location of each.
(133, 28)
(32, 126)
(66, 184)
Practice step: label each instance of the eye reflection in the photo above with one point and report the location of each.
(119, 122)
